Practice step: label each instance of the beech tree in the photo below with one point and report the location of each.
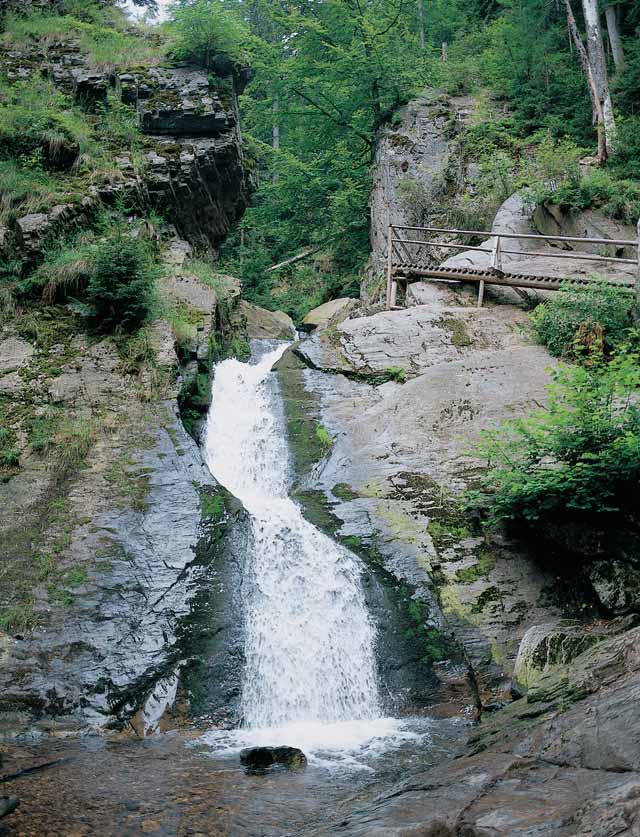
(594, 65)
(612, 15)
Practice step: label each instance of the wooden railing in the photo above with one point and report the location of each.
(409, 257)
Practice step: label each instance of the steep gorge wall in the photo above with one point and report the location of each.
(114, 566)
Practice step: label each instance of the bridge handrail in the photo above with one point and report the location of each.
(554, 255)
(537, 236)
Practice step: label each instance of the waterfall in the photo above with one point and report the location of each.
(310, 644)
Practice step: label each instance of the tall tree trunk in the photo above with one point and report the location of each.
(591, 83)
(611, 13)
(421, 23)
(598, 62)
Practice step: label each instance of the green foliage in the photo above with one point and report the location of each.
(343, 491)
(328, 75)
(576, 321)
(100, 34)
(324, 439)
(51, 150)
(38, 128)
(627, 160)
(601, 189)
(211, 506)
(120, 290)
(579, 456)
(18, 618)
(395, 373)
(9, 457)
(205, 29)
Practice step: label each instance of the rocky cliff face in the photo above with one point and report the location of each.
(191, 167)
(120, 555)
(115, 541)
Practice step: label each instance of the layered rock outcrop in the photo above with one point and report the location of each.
(191, 167)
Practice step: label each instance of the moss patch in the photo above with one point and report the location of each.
(460, 337)
(343, 491)
(486, 562)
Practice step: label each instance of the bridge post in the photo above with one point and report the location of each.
(394, 294)
(637, 288)
(389, 265)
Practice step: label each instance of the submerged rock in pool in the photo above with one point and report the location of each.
(260, 757)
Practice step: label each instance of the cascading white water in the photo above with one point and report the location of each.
(309, 641)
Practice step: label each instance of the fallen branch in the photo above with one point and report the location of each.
(304, 255)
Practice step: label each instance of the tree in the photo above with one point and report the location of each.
(598, 62)
(613, 29)
(595, 87)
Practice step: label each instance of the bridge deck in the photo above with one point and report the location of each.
(409, 273)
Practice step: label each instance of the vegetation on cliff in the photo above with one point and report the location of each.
(578, 456)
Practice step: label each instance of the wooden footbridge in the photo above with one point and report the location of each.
(410, 258)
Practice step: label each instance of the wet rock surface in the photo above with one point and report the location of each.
(555, 763)
(129, 564)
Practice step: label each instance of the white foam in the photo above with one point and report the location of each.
(343, 744)
(310, 644)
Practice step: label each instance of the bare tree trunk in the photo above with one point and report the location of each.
(593, 89)
(421, 23)
(598, 62)
(611, 13)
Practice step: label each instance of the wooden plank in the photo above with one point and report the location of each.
(508, 279)
(582, 257)
(394, 293)
(480, 293)
(389, 264)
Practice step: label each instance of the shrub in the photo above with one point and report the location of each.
(120, 288)
(205, 29)
(65, 272)
(39, 127)
(579, 456)
(583, 319)
(554, 171)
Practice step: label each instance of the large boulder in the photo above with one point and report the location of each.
(260, 324)
(617, 585)
(334, 311)
(545, 647)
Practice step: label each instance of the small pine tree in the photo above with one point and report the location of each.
(120, 289)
